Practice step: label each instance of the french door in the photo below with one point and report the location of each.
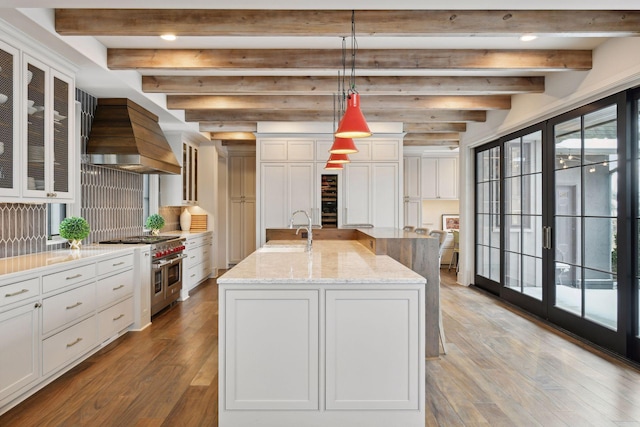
(557, 213)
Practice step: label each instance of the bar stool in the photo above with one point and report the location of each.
(456, 249)
(422, 230)
(408, 228)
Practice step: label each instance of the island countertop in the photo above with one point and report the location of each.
(330, 261)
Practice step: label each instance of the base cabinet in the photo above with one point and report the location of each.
(325, 356)
(20, 349)
(198, 262)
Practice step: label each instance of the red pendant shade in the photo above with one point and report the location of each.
(343, 146)
(338, 158)
(353, 123)
(333, 166)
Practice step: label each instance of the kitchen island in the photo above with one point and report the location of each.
(331, 337)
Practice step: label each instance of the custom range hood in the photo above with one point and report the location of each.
(126, 136)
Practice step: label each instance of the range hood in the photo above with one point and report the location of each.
(126, 136)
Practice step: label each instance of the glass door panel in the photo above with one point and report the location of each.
(36, 127)
(523, 214)
(488, 218)
(586, 192)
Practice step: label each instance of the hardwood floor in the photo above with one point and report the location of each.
(502, 369)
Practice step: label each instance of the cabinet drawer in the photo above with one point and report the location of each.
(113, 288)
(115, 264)
(114, 319)
(65, 346)
(18, 291)
(54, 281)
(67, 307)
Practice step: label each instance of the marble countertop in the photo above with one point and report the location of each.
(29, 262)
(184, 234)
(330, 261)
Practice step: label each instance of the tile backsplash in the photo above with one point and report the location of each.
(23, 229)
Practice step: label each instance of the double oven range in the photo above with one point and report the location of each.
(167, 253)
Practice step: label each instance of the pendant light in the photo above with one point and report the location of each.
(338, 158)
(341, 145)
(353, 123)
(333, 166)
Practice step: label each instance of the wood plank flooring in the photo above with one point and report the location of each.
(502, 369)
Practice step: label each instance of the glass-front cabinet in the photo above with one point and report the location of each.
(48, 109)
(9, 111)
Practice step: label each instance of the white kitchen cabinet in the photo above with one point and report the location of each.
(370, 194)
(68, 306)
(69, 344)
(242, 207)
(48, 129)
(376, 150)
(114, 319)
(412, 194)
(181, 190)
(20, 348)
(9, 130)
(286, 188)
(279, 150)
(197, 264)
(439, 178)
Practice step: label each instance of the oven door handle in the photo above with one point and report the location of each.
(162, 263)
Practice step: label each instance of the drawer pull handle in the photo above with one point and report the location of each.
(193, 275)
(78, 304)
(74, 343)
(13, 294)
(118, 318)
(118, 287)
(75, 276)
(118, 263)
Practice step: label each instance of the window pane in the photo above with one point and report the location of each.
(568, 191)
(599, 255)
(532, 194)
(482, 196)
(601, 298)
(568, 143)
(601, 189)
(532, 235)
(483, 229)
(494, 163)
(532, 277)
(494, 268)
(568, 240)
(513, 233)
(600, 136)
(568, 291)
(512, 158)
(532, 153)
(513, 200)
(512, 271)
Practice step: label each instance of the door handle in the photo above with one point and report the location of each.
(546, 237)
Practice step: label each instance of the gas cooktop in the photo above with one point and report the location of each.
(140, 240)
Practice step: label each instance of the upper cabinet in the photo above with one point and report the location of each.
(37, 134)
(48, 110)
(439, 178)
(182, 190)
(9, 113)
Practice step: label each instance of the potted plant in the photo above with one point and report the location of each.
(154, 223)
(74, 229)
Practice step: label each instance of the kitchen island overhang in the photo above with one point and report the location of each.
(331, 337)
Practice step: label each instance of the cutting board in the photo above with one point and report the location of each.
(198, 223)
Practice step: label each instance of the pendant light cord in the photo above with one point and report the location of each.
(354, 48)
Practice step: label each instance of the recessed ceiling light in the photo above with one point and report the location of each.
(528, 37)
(168, 37)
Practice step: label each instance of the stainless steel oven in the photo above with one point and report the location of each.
(166, 268)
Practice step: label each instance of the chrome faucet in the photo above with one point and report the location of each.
(309, 227)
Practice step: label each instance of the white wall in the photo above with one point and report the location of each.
(616, 67)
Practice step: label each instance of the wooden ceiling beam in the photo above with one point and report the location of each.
(434, 127)
(322, 85)
(453, 136)
(323, 102)
(367, 59)
(233, 136)
(335, 23)
(390, 115)
(228, 127)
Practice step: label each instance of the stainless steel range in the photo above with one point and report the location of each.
(167, 253)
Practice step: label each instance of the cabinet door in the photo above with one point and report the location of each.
(448, 178)
(19, 351)
(37, 105)
(62, 155)
(429, 182)
(9, 113)
(236, 230)
(357, 194)
(301, 186)
(274, 195)
(413, 212)
(412, 177)
(249, 234)
(368, 333)
(236, 170)
(385, 195)
(249, 177)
